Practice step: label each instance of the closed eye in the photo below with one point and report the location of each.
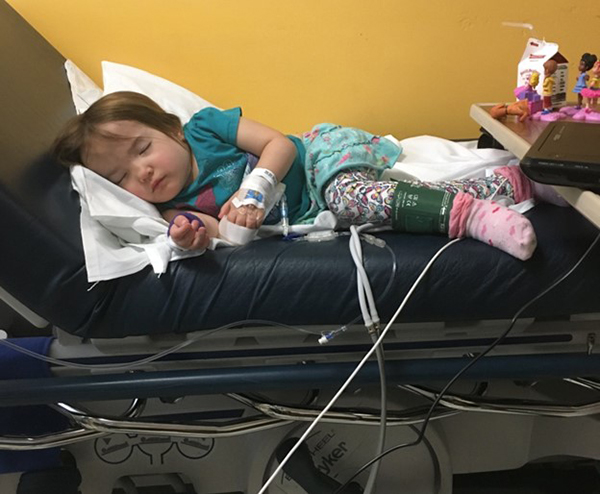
(146, 147)
(121, 180)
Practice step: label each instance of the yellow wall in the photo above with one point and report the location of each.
(390, 66)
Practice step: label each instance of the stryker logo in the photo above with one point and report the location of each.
(536, 57)
(332, 458)
(321, 444)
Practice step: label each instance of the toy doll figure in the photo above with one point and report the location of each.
(519, 108)
(534, 79)
(592, 92)
(550, 67)
(528, 104)
(528, 90)
(585, 64)
(530, 95)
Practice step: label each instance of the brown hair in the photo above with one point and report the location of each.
(69, 146)
(588, 60)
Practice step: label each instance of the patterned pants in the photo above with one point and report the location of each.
(357, 197)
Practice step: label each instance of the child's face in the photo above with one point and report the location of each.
(141, 160)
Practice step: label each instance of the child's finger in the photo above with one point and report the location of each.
(232, 215)
(225, 209)
(238, 219)
(180, 230)
(181, 221)
(182, 235)
(251, 221)
(200, 239)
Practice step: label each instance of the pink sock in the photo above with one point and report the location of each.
(526, 189)
(492, 224)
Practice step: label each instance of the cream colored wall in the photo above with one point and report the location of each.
(389, 66)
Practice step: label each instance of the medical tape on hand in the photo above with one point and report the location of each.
(256, 189)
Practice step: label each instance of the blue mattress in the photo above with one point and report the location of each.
(311, 284)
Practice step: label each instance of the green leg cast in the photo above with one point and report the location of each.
(417, 209)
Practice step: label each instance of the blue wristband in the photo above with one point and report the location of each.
(190, 216)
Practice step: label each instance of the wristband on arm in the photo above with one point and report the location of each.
(190, 216)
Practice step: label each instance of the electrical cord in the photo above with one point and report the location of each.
(462, 371)
(152, 358)
(378, 243)
(371, 322)
(368, 308)
(391, 278)
(356, 369)
(370, 485)
(365, 314)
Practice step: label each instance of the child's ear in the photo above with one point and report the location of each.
(180, 138)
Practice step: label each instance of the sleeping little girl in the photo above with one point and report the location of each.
(223, 165)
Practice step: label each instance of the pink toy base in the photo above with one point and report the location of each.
(593, 116)
(548, 117)
(583, 115)
(580, 114)
(570, 111)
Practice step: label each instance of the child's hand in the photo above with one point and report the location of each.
(189, 234)
(248, 216)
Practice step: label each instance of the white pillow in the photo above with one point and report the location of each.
(84, 91)
(170, 96)
(118, 77)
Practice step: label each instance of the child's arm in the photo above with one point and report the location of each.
(276, 153)
(189, 234)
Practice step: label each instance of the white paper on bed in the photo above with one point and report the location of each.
(121, 233)
(433, 159)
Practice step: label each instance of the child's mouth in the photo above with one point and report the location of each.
(156, 184)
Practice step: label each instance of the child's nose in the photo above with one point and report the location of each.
(145, 172)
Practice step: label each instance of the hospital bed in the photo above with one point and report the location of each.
(249, 373)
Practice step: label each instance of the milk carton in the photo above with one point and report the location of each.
(536, 53)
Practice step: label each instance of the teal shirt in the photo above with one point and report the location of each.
(212, 136)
